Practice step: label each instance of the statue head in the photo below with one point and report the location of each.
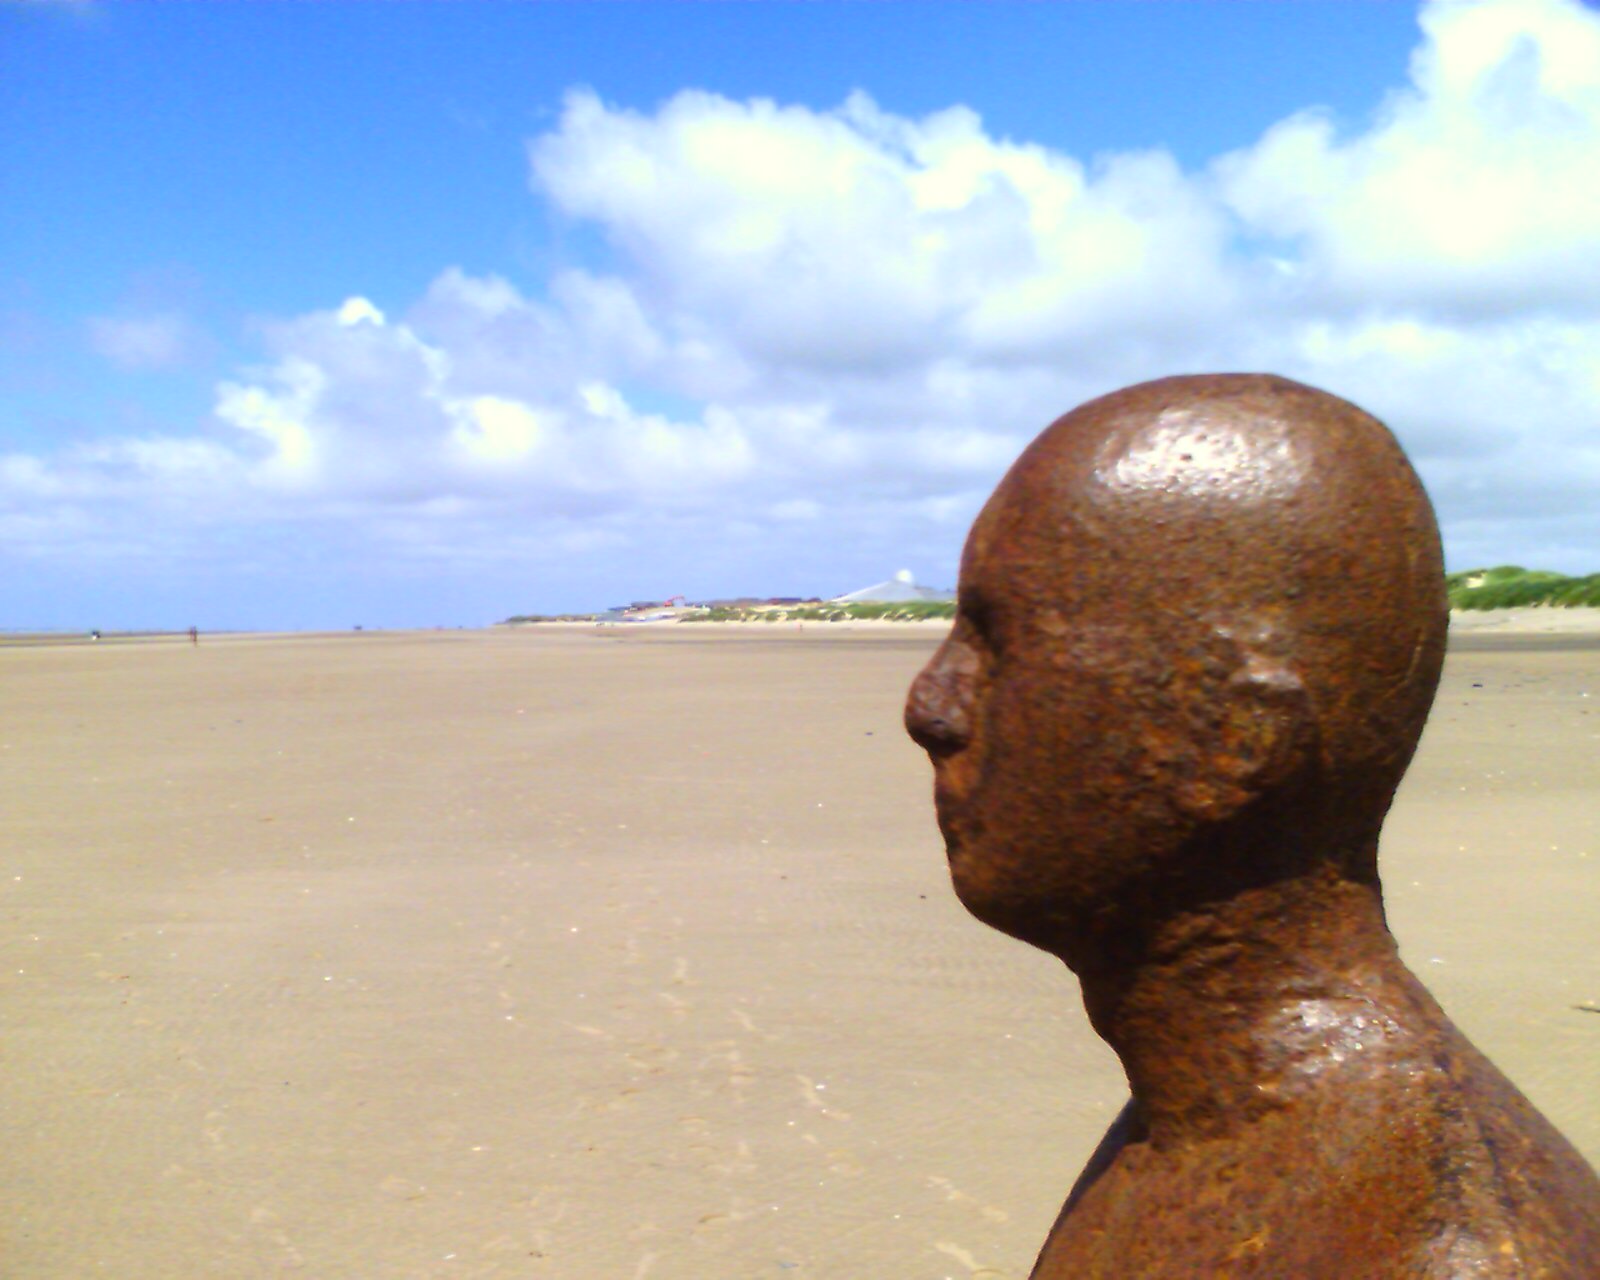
(1200, 624)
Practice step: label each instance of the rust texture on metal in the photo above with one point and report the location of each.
(1200, 625)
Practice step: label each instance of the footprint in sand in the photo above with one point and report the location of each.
(651, 1058)
(815, 1097)
(978, 1272)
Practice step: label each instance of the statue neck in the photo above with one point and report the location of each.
(1259, 1002)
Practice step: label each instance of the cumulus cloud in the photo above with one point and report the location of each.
(359, 408)
(1478, 188)
(816, 337)
(858, 240)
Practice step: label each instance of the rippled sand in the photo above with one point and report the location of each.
(548, 953)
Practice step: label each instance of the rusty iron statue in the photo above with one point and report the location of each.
(1201, 622)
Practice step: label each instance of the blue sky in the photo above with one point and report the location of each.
(405, 314)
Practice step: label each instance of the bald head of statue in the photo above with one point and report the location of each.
(1200, 624)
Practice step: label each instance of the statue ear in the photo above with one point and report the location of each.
(1257, 732)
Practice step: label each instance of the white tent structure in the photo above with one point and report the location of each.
(897, 590)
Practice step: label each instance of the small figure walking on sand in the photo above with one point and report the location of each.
(194, 636)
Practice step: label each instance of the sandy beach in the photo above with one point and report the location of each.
(625, 954)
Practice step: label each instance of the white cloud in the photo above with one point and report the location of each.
(494, 431)
(359, 311)
(279, 417)
(1477, 189)
(819, 337)
(854, 239)
(384, 413)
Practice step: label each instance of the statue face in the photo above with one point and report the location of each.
(1053, 723)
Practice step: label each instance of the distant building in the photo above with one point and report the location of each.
(897, 590)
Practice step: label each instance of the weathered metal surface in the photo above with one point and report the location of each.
(1201, 622)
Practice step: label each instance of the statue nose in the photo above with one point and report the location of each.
(936, 709)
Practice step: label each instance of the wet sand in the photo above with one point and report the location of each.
(549, 953)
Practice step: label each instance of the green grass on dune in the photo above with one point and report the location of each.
(1510, 586)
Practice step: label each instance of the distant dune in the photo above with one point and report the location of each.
(1503, 588)
(1511, 586)
(801, 611)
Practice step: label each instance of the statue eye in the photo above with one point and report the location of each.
(980, 619)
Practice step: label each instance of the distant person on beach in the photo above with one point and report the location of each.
(194, 636)
(1199, 628)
